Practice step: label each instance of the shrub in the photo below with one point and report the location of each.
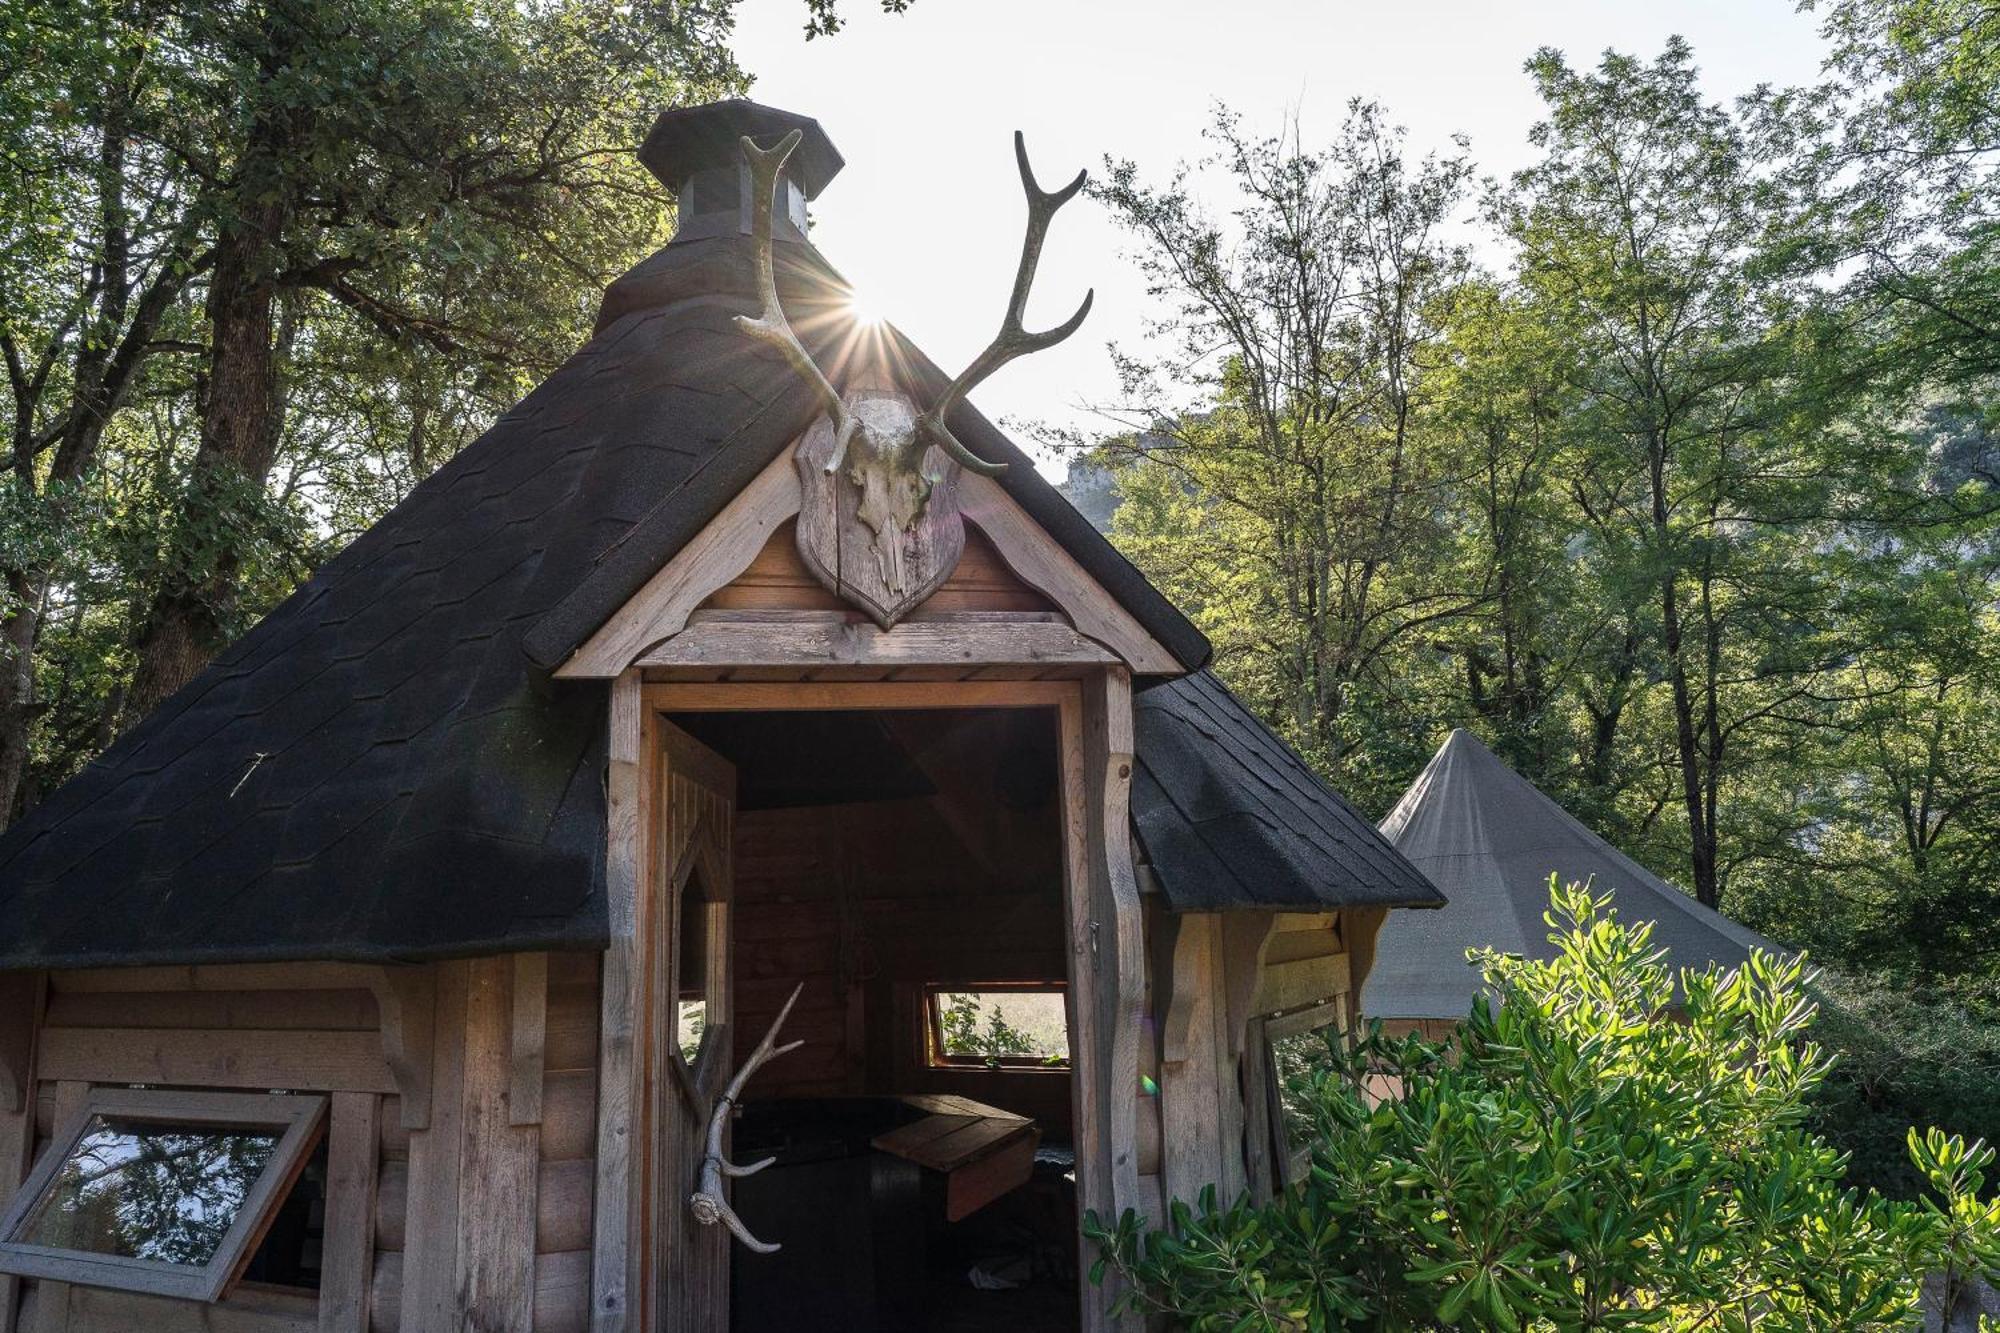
(1573, 1158)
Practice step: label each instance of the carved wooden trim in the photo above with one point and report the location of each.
(720, 552)
(407, 997)
(1041, 563)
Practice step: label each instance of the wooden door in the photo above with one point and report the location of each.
(690, 1055)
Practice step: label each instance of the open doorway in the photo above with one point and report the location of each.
(907, 868)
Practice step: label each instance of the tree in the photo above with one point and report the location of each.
(1288, 505)
(1707, 466)
(309, 230)
(1576, 1158)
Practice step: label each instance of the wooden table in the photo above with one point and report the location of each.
(982, 1151)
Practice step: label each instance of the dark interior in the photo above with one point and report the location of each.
(878, 854)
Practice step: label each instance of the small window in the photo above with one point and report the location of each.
(998, 1027)
(1301, 1046)
(702, 926)
(160, 1192)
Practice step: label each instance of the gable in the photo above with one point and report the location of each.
(740, 594)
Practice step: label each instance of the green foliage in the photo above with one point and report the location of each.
(1575, 1158)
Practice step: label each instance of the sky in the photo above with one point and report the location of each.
(926, 218)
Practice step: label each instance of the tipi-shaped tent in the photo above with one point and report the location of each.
(1490, 840)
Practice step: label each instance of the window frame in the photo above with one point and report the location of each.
(1293, 1164)
(300, 1120)
(937, 1058)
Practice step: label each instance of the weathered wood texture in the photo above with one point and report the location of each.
(689, 1281)
(779, 579)
(617, 1236)
(348, 1247)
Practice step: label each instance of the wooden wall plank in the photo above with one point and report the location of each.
(348, 1258)
(1285, 986)
(561, 1283)
(243, 1058)
(529, 1037)
(300, 1010)
(496, 1219)
(430, 1298)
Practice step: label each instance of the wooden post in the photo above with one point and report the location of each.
(496, 1242)
(347, 1268)
(1107, 943)
(22, 997)
(1190, 1063)
(618, 1237)
(430, 1261)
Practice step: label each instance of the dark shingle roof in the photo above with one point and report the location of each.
(379, 770)
(1230, 816)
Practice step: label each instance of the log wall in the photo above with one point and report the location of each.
(484, 1208)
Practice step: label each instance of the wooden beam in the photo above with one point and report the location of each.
(407, 999)
(243, 1058)
(735, 696)
(1041, 563)
(616, 1242)
(718, 553)
(347, 1264)
(529, 1034)
(218, 977)
(735, 641)
(1190, 1091)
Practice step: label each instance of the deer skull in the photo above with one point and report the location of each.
(885, 462)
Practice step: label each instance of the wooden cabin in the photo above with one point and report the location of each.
(399, 973)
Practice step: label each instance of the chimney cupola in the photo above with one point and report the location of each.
(696, 153)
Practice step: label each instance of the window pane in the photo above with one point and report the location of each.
(1296, 1060)
(1003, 1025)
(145, 1190)
(693, 1018)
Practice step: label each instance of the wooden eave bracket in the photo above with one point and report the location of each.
(407, 998)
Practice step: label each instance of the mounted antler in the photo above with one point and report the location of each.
(1014, 340)
(709, 1202)
(771, 325)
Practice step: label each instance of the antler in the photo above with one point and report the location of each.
(709, 1203)
(771, 325)
(1014, 340)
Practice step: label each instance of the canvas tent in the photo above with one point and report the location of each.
(1490, 840)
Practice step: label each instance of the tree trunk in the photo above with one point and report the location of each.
(187, 622)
